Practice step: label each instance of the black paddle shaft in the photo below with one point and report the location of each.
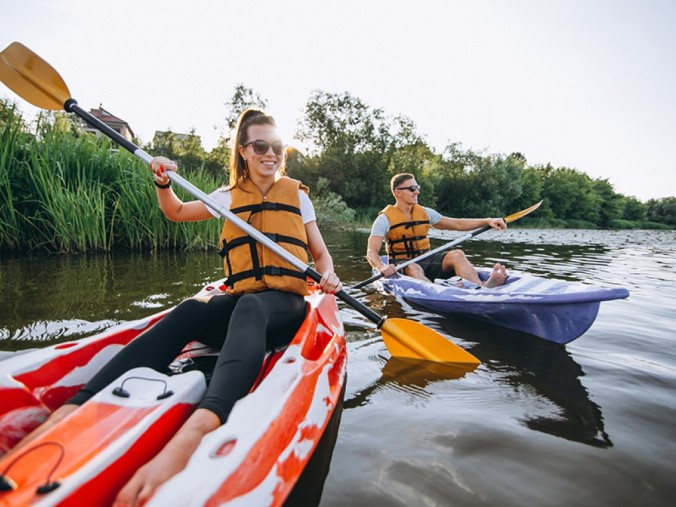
(72, 106)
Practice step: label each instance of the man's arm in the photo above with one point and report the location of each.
(467, 224)
(374, 245)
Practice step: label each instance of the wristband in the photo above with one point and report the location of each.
(159, 185)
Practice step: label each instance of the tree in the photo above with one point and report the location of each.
(634, 209)
(218, 159)
(186, 149)
(611, 204)
(352, 146)
(571, 195)
(531, 189)
(242, 98)
(342, 120)
(662, 210)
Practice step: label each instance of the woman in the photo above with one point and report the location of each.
(263, 306)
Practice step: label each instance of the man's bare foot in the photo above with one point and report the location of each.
(498, 277)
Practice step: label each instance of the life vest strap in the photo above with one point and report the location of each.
(266, 270)
(408, 225)
(247, 240)
(405, 239)
(265, 206)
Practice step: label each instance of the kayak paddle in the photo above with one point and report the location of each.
(39, 83)
(475, 232)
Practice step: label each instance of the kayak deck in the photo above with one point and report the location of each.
(555, 310)
(258, 453)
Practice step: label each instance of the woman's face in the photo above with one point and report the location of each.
(263, 151)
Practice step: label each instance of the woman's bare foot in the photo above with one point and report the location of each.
(171, 460)
(498, 277)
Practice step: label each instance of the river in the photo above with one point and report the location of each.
(591, 423)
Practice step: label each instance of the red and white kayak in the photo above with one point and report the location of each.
(253, 459)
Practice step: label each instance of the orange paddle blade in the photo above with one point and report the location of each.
(32, 78)
(407, 338)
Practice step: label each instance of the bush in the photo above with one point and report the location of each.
(330, 207)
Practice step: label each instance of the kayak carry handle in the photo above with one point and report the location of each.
(123, 393)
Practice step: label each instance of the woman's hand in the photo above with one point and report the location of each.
(159, 167)
(330, 283)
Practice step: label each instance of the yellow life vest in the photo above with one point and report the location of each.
(407, 238)
(251, 267)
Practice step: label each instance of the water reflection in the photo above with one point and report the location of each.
(408, 375)
(46, 299)
(522, 361)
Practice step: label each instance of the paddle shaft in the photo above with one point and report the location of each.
(441, 248)
(72, 106)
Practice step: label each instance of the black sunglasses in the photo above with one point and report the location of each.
(412, 188)
(261, 147)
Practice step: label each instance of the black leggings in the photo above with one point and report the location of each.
(242, 327)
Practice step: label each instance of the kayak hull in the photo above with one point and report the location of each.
(259, 453)
(554, 310)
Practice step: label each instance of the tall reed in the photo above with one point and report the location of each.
(62, 190)
(13, 139)
(140, 224)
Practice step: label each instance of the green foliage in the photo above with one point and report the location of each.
(662, 210)
(637, 224)
(330, 208)
(353, 146)
(633, 209)
(63, 190)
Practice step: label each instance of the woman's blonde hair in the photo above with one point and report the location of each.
(239, 171)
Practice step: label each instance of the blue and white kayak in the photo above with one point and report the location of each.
(555, 310)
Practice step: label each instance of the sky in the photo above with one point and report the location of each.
(584, 84)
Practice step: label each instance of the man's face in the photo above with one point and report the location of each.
(407, 192)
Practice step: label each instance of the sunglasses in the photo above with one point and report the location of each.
(412, 188)
(261, 147)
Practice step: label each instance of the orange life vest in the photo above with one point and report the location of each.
(251, 267)
(407, 238)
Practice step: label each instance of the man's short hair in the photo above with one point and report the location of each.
(398, 179)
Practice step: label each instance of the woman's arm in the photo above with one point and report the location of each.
(174, 208)
(330, 282)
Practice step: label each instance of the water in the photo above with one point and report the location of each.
(588, 424)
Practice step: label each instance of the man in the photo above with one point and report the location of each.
(404, 227)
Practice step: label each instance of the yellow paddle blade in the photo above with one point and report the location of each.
(32, 78)
(407, 338)
(522, 213)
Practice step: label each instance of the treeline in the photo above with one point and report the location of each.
(67, 191)
(357, 149)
